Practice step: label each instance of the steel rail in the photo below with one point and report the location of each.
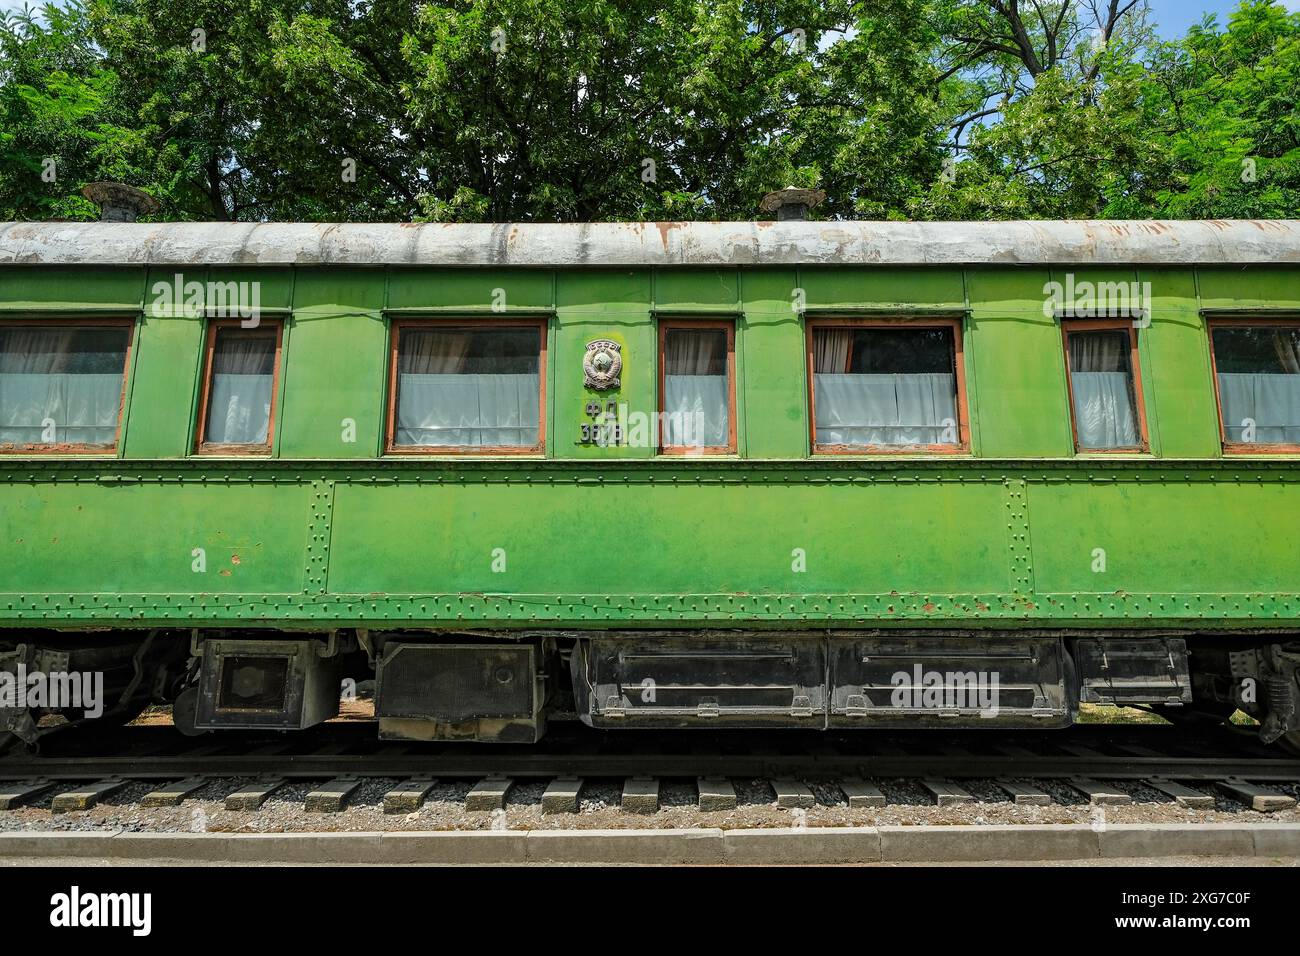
(314, 767)
(348, 750)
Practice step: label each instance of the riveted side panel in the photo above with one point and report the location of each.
(1166, 532)
(658, 536)
(719, 544)
(203, 535)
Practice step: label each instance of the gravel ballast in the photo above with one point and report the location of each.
(598, 808)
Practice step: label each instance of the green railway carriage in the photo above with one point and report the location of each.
(804, 474)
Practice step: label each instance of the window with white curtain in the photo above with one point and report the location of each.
(1103, 392)
(885, 387)
(61, 385)
(241, 388)
(472, 387)
(696, 413)
(1258, 369)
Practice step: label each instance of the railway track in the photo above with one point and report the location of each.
(1089, 760)
(1131, 752)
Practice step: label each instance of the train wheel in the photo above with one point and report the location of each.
(185, 711)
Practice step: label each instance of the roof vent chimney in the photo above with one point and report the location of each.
(119, 202)
(792, 202)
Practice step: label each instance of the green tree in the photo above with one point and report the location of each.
(59, 113)
(1224, 106)
(501, 110)
(1205, 126)
(506, 109)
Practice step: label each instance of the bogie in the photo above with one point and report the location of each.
(505, 688)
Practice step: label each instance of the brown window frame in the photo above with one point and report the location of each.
(63, 448)
(962, 447)
(1237, 447)
(390, 429)
(729, 327)
(201, 445)
(1135, 368)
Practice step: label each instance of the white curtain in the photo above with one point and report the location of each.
(483, 410)
(831, 349)
(1102, 387)
(70, 377)
(887, 410)
(696, 403)
(1103, 410)
(239, 405)
(433, 351)
(448, 398)
(1270, 401)
(695, 411)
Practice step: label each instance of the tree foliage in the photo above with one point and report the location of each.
(459, 110)
(1204, 127)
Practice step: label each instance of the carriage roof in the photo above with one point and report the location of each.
(651, 244)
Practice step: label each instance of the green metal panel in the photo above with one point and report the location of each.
(168, 352)
(333, 392)
(896, 288)
(1249, 287)
(702, 290)
(594, 305)
(1018, 364)
(668, 538)
(471, 291)
(70, 289)
(274, 287)
(320, 293)
(1176, 369)
(775, 393)
(332, 369)
(98, 537)
(1137, 536)
(641, 543)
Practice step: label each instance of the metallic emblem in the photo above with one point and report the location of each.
(602, 364)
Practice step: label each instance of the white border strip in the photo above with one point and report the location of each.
(838, 845)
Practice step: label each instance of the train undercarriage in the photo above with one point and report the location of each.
(505, 686)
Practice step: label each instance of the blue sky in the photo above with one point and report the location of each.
(1173, 17)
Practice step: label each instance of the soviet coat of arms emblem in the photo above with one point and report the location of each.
(602, 364)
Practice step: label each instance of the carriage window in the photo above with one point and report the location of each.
(697, 391)
(61, 386)
(886, 388)
(1257, 368)
(467, 388)
(239, 404)
(1104, 393)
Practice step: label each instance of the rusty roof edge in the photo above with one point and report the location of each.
(1082, 242)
